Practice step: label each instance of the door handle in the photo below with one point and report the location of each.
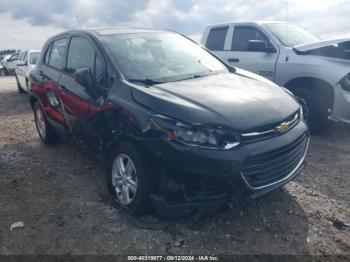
(63, 87)
(233, 60)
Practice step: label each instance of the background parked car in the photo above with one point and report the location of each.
(317, 71)
(25, 65)
(2, 61)
(10, 64)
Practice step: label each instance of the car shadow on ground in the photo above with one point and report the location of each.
(273, 224)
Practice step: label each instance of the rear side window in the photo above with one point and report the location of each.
(82, 54)
(57, 53)
(242, 35)
(216, 38)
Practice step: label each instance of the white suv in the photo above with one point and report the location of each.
(315, 70)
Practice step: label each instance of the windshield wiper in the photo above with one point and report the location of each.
(146, 81)
(197, 76)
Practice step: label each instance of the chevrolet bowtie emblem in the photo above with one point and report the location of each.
(282, 128)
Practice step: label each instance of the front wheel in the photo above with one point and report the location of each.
(46, 132)
(129, 179)
(315, 113)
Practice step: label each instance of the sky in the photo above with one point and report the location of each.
(27, 24)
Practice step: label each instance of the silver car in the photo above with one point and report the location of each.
(25, 64)
(8, 64)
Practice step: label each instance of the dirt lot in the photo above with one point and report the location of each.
(60, 195)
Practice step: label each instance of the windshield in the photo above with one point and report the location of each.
(291, 35)
(161, 57)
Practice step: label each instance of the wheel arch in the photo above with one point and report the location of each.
(317, 86)
(33, 99)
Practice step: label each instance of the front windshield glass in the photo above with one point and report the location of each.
(34, 57)
(291, 35)
(161, 57)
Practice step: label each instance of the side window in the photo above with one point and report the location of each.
(100, 71)
(47, 55)
(21, 56)
(242, 35)
(81, 54)
(57, 53)
(216, 38)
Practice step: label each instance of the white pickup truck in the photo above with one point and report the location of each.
(316, 71)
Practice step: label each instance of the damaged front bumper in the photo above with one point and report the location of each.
(206, 204)
(200, 181)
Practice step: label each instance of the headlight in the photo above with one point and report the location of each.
(345, 82)
(196, 136)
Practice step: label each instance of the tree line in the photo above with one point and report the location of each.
(8, 51)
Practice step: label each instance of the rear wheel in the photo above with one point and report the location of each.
(129, 179)
(19, 88)
(46, 132)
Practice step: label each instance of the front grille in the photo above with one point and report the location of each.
(269, 131)
(271, 167)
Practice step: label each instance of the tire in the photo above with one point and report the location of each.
(314, 111)
(46, 132)
(19, 88)
(3, 72)
(138, 184)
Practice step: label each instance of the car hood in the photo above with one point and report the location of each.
(336, 48)
(226, 99)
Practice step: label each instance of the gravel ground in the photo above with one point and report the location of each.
(59, 194)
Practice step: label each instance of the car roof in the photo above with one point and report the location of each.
(248, 23)
(123, 30)
(109, 31)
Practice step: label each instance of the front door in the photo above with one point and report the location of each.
(261, 63)
(83, 105)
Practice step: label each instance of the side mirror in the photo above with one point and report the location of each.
(83, 77)
(259, 46)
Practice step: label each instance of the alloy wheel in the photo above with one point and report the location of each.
(40, 122)
(124, 179)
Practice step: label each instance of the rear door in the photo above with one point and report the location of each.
(50, 71)
(261, 63)
(83, 106)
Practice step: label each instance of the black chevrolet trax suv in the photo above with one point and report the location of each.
(177, 130)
